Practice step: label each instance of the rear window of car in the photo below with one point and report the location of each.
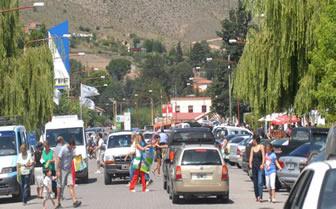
(201, 157)
(192, 138)
(328, 191)
(300, 135)
(306, 149)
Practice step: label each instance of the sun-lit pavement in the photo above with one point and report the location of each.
(96, 195)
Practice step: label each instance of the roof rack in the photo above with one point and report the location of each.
(10, 120)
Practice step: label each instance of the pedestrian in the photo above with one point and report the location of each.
(47, 189)
(38, 170)
(163, 140)
(24, 165)
(64, 162)
(256, 163)
(271, 163)
(59, 145)
(48, 162)
(140, 148)
(131, 154)
(99, 151)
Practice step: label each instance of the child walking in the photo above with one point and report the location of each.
(271, 163)
(47, 189)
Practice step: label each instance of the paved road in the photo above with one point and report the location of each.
(96, 195)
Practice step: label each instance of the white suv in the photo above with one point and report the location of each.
(118, 145)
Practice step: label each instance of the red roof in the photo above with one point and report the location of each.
(186, 116)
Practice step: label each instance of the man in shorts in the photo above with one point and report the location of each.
(59, 145)
(65, 157)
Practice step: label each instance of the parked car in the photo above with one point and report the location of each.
(184, 136)
(315, 188)
(11, 138)
(237, 151)
(115, 165)
(329, 152)
(198, 170)
(223, 131)
(295, 162)
(304, 135)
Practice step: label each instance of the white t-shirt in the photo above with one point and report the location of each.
(22, 161)
(100, 143)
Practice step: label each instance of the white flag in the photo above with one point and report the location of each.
(88, 91)
(57, 96)
(87, 103)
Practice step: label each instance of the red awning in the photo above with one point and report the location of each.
(285, 119)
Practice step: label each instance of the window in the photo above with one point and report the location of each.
(204, 108)
(298, 194)
(190, 108)
(201, 157)
(67, 134)
(177, 108)
(119, 141)
(328, 191)
(7, 143)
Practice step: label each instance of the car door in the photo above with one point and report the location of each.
(298, 194)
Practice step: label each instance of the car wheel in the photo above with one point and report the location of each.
(17, 197)
(164, 184)
(107, 179)
(231, 163)
(223, 198)
(175, 198)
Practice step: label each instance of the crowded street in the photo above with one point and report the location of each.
(97, 195)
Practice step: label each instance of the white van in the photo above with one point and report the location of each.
(222, 131)
(11, 138)
(69, 127)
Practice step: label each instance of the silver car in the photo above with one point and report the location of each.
(198, 170)
(235, 153)
(295, 162)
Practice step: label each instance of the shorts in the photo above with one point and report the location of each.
(270, 181)
(66, 177)
(38, 173)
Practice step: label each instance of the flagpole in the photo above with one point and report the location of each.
(80, 103)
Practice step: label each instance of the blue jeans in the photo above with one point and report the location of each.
(25, 184)
(257, 175)
(131, 170)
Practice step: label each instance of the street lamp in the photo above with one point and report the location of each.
(34, 6)
(152, 107)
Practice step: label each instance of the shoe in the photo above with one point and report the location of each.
(77, 204)
(149, 182)
(269, 200)
(58, 206)
(132, 190)
(274, 200)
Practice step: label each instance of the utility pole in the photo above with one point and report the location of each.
(230, 104)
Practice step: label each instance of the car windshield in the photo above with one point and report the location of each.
(279, 142)
(7, 143)
(201, 157)
(236, 140)
(306, 149)
(320, 137)
(66, 133)
(119, 141)
(193, 137)
(148, 136)
(328, 191)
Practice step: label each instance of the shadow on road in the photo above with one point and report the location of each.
(9, 199)
(204, 201)
(90, 181)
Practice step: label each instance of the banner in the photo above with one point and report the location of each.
(167, 110)
(88, 91)
(59, 46)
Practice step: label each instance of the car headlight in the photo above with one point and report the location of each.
(8, 170)
(108, 158)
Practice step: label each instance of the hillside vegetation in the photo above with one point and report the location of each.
(168, 20)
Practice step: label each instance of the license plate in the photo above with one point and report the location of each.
(201, 176)
(290, 166)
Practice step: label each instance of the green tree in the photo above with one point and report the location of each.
(118, 68)
(179, 52)
(198, 54)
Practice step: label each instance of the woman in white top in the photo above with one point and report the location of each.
(24, 165)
